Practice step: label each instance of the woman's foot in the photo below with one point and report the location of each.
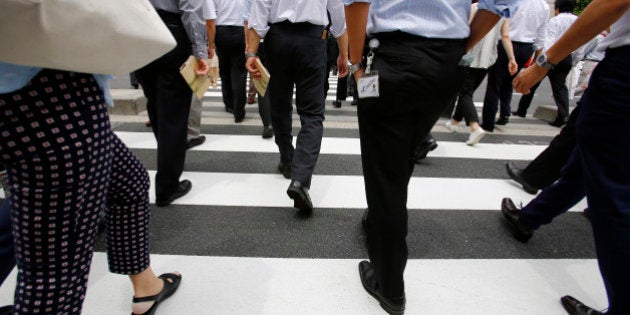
(150, 290)
(452, 125)
(475, 136)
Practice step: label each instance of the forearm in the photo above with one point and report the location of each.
(253, 40)
(356, 24)
(597, 16)
(212, 31)
(342, 43)
(481, 24)
(507, 46)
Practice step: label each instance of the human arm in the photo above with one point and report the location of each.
(356, 24)
(253, 41)
(507, 46)
(211, 30)
(597, 16)
(342, 60)
(194, 24)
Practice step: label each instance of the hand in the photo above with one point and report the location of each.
(249, 65)
(210, 52)
(512, 66)
(203, 67)
(528, 77)
(342, 66)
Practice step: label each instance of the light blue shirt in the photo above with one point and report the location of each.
(429, 18)
(192, 19)
(14, 77)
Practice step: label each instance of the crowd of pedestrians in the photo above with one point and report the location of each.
(408, 62)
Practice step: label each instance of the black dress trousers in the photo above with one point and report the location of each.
(418, 78)
(296, 55)
(230, 42)
(168, 104)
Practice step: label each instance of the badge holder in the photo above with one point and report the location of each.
(368, 84)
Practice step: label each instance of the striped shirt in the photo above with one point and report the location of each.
(192, 18)
(429, 18)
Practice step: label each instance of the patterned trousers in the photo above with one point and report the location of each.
(66, 166)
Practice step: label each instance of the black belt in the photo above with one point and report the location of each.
(170, 17)
(408, 37)
(618, 50)
(521, 43)
(304, 28)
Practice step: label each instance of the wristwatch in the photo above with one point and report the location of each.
(542, 62)
(355, 67)
(250, 54)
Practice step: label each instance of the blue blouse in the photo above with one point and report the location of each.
(14, 77)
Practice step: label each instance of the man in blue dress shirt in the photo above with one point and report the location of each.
(420, 46)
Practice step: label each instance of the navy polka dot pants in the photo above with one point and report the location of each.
(65, 166)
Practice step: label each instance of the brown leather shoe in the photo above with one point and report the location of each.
(511, 214)
(575, 307)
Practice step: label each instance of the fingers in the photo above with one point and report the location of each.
(251, 68)
(203, 67)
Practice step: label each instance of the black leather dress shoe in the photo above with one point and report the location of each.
(196, 141)
(239, 119)
(423, 149)
(575, 307)
(519, 114)
(558, 122)
(267, 132)
(182, 189)
(502, 121)
(367, 274)
(300, 196)
(285, 169)
(336, 104)
(511, 214)
(516, 174)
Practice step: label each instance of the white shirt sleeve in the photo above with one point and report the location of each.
(338, 17)
(259, 17)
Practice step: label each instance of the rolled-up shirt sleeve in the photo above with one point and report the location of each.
(541, 33)
(194, 24)
(209, 10)
(247, 6)
(338, 17)
(503, 8)
(259, 17)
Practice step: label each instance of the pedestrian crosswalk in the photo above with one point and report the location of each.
(243, 249)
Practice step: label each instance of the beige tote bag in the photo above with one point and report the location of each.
(91, 36)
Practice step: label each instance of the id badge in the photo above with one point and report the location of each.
(368, 85)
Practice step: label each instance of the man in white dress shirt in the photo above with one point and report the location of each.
(296, 55)
(527, 31)
(230, 44)
(558, 75)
